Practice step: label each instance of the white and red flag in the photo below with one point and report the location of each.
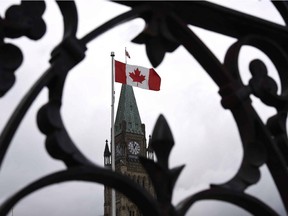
(138, 76)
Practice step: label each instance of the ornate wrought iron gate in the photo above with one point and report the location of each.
(166, 29)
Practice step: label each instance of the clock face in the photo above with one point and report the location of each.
(134, 147)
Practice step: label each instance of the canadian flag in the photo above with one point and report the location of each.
(138, 76)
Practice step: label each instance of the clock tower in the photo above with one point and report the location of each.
(130, 143)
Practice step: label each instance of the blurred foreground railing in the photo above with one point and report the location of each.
(166, 29)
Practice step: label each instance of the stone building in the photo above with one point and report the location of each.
(130, 142)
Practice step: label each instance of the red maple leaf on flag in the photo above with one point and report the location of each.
(137, 76)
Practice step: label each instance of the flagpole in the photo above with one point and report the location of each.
(113, 194)
(125, 56)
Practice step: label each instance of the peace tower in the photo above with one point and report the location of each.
(130, 142)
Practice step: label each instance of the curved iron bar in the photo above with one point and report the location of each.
(255, 137)
(263, 87)
(162, 177)
(245, 201)
(90, 174)
(125, 17)
(64, 57)
(282, 8)
(279, 58)
(266, 89)
(70, 17)
(58, 142)
(18, 114)
(21, 109)
(44, 80)
(226, 83)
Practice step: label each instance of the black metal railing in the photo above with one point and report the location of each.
(166, 29)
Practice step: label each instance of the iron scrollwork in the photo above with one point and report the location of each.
(166, 29)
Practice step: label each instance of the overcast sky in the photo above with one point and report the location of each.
(205, 134)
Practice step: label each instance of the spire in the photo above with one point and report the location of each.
(127, 117)
(106, 151)
(150, 152)
(107, 155)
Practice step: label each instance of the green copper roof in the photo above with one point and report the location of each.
(128, 111)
